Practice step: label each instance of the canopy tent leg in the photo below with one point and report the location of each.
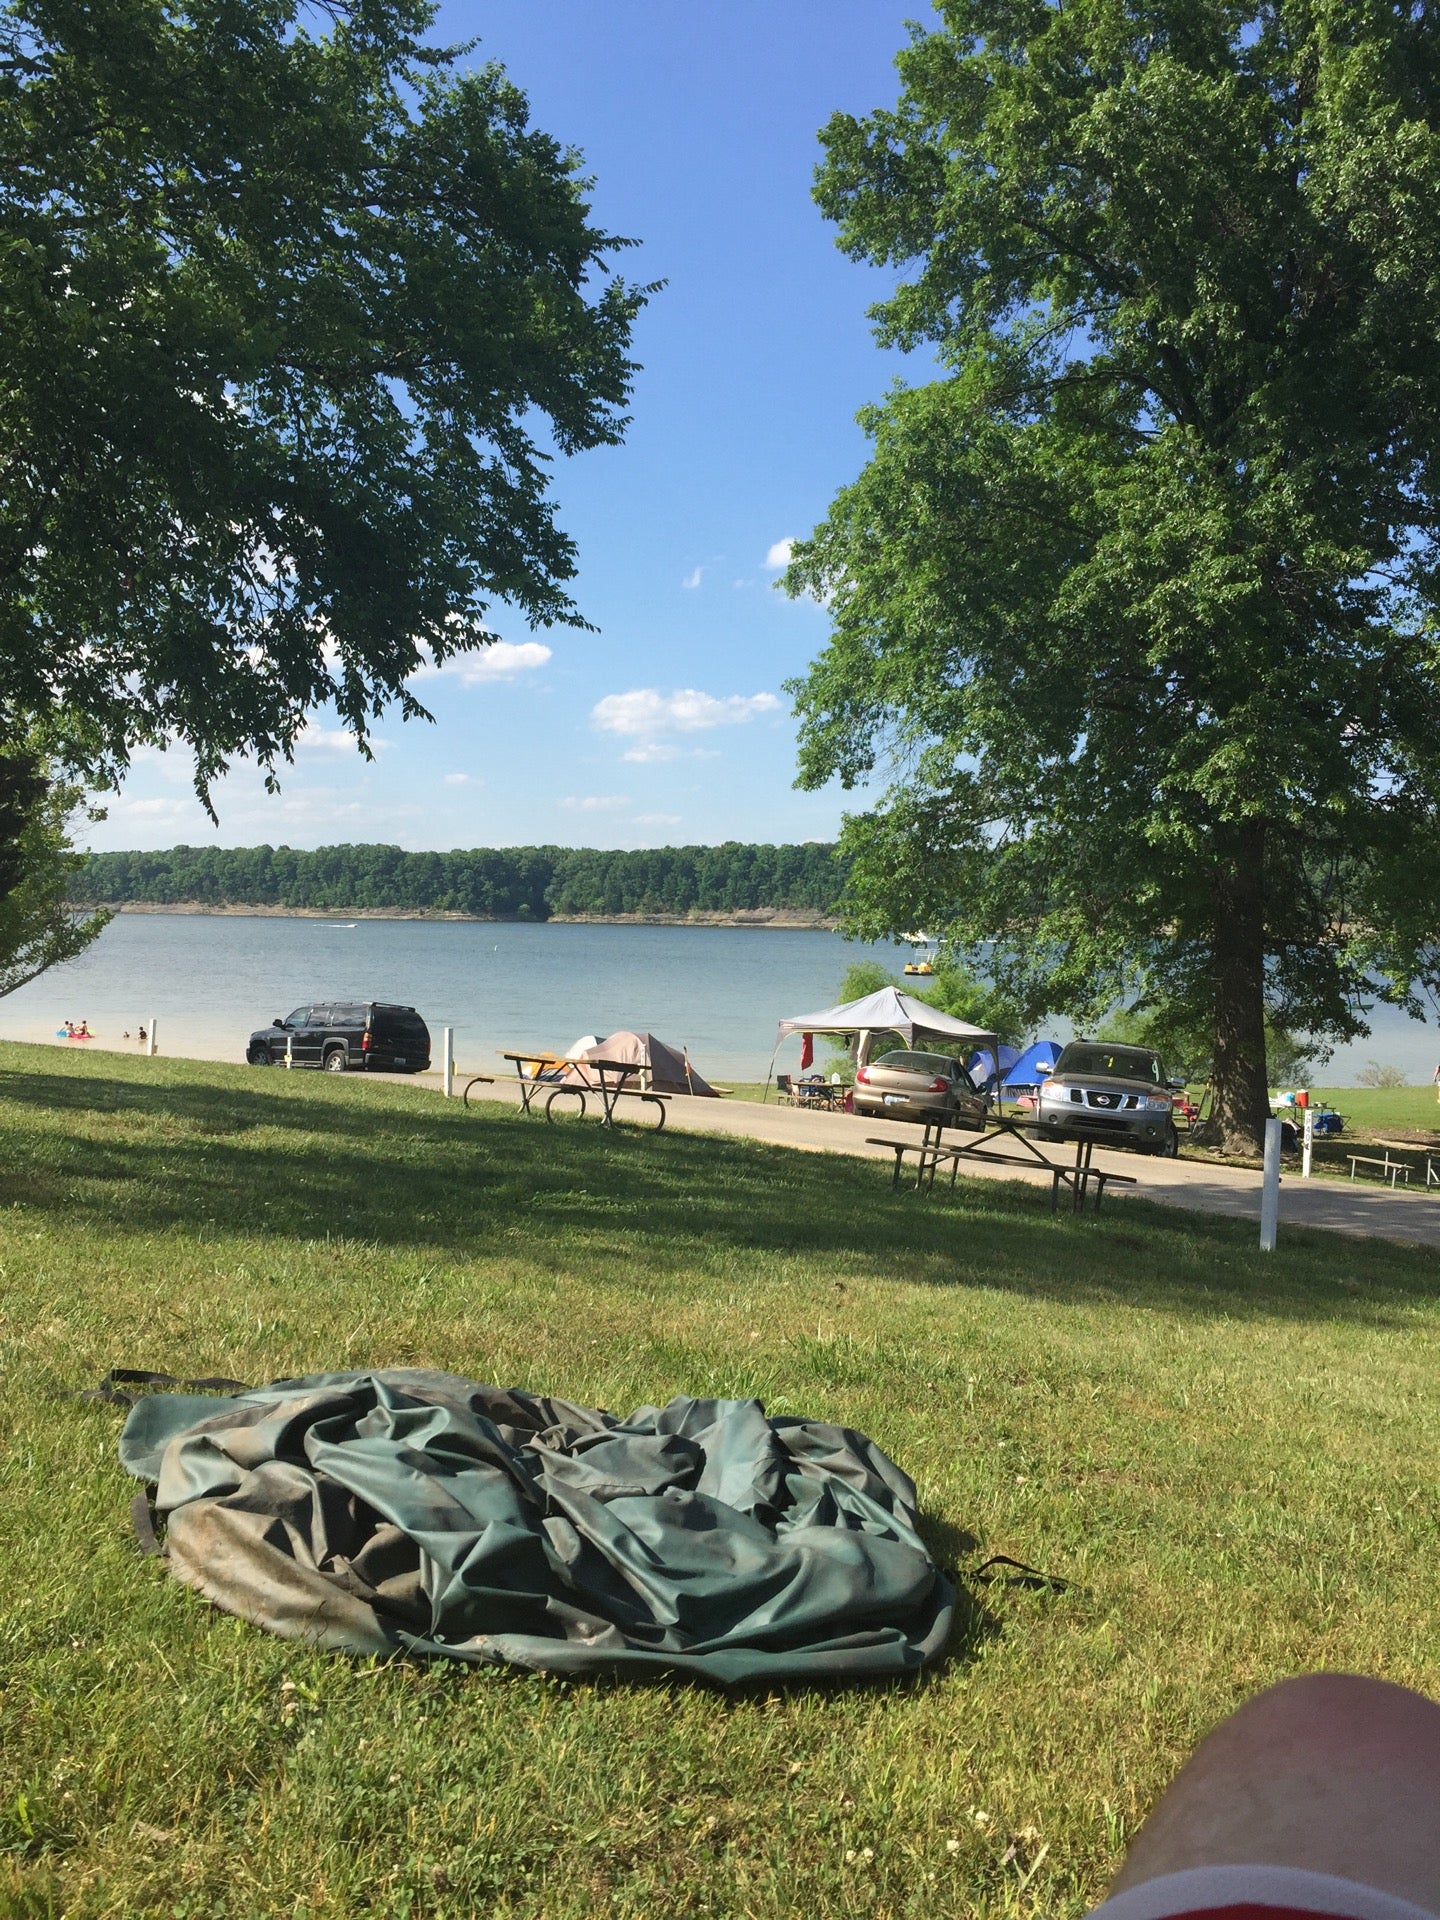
(770, 1070)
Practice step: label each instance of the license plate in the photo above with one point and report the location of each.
(400, 1060)
(897, 1100)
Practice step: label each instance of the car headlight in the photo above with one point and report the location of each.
(1158, 1102)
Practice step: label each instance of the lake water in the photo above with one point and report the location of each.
(210, 979)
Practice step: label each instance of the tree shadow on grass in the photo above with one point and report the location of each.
(318, 1160)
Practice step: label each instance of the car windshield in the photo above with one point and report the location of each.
(1113, 1063)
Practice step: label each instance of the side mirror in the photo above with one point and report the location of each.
(278, 1021)
(1176, 1086)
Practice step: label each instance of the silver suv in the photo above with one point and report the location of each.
(1118, 1095)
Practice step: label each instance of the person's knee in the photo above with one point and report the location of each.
(1329, 1772)
(1338, 1719)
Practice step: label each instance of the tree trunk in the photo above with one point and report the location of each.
(1242, 1095)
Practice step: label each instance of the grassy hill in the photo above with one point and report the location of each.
(1234, 1460)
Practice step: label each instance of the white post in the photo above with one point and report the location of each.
(1270, 1187)
(1309, 1142)
(289, 1043)
(150, 1038)
(448, 1056)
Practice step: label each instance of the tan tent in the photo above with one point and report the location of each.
(665, 1069)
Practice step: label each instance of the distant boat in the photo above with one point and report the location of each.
(342, 926)
(923, 965)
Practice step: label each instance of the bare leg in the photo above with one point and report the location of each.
(1329, 1772)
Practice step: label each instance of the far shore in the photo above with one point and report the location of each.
(783, 919)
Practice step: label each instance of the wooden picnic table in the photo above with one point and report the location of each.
(932, 1148)
(610, 1082)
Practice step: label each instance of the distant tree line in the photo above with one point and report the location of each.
(492, 883)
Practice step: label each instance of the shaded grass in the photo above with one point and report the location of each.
(1234, 1458)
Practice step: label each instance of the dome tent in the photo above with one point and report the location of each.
(664, 1068)
(1034, 1064)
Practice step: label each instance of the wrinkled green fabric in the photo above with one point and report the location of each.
(407, 1510)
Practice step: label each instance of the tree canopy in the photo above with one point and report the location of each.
(297, 311)
(1135, 602)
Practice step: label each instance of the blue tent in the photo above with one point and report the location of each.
(1033, 1065)
(981, 1066)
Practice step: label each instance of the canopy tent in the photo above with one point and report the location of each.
(888, 1011)
(665, 1069)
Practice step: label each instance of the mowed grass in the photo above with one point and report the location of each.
(1232, 1458)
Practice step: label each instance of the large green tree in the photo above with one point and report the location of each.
(1134, 605)
(296, 312)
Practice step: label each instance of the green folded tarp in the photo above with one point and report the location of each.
(406, 1510)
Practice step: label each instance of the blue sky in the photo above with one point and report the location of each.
(669, 725)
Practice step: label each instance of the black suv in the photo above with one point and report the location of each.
(345, 1036)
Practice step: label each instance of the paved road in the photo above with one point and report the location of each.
(1337, 1205)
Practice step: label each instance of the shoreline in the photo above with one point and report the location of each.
(787, 920)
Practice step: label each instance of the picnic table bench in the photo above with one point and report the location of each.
(1394, 1168)
(931, 1149)
(609, 1081)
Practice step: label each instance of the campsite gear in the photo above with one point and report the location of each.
(664, 1070)
(406, 1510)
(807, 1051)
(888, 1011)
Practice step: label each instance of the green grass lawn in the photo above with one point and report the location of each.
(1233, 1458)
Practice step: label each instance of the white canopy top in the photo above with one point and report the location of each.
(888, 1011)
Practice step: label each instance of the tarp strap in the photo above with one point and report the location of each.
(142, 1516)
(1027, 1576)
(112, 1388)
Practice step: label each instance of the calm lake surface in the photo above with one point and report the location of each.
(210, 979)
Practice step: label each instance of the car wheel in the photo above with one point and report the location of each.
(1169, 1148)
(258, 1056)
(335, 1060)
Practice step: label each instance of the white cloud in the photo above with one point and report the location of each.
(503, 659)
(596, 802)
(645, 711)
(175, 810)
(650, 753)
(779, 554)
(693, 579)
(313, 739)
(657, 819)
(457, 780)
(499, 660)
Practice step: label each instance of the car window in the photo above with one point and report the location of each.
(296, 1019)
(319, 1017)
(931, 1063)
(1114, 1063)
(347, 1017)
